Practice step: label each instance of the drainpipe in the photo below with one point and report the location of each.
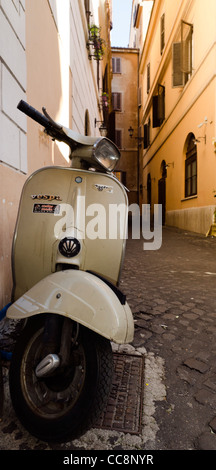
(138, 123)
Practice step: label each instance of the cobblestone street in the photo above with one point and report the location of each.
(171, 293)
(175, 318)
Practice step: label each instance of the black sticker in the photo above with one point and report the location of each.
(46, 208)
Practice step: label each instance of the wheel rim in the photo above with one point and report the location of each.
(51, 397)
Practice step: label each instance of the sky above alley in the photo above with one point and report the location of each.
(121, 18)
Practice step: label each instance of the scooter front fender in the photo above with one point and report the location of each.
(84, 298)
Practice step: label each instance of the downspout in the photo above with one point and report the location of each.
(138, 123)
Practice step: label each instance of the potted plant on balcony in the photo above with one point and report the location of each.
(96, 42)
(105, 100)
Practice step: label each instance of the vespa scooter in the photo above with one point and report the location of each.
(65, 285)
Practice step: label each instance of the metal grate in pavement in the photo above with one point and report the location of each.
(124, 408)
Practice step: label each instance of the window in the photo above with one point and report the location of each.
(147, 134)
(148, 78)
(159, 107)
(162, 33)
(135, 15)
(116, 64)
(117, 101)
(182, 56)
(87, 123)
(191, 167)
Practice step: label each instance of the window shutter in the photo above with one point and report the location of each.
(158, 106)
(161, 103)
(178, 77)
(113, 64)
(116, 64)
(155, 111)
(186, 44)
(148, 78)
(145, 136)
(162, 32)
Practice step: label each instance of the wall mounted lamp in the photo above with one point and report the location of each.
(102, 128)
(168, 165)
(131, 131)
(197, 141)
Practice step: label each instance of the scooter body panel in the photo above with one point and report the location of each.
(58, 203)
(82, 297)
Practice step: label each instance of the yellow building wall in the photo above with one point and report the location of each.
(126, 83)
(185, 109)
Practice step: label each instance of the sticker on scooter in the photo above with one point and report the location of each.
(46, 208)
(103, 187)
(47, 197)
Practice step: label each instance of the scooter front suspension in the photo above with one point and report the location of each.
(58, 339)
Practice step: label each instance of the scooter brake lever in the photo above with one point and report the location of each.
(57, 126)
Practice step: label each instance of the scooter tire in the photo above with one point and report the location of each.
(65, 418)
(1, 389)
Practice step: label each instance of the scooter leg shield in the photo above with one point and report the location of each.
(84, 298)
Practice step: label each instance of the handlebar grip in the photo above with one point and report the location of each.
(33, 113)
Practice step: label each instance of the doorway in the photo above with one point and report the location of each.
(162, 190)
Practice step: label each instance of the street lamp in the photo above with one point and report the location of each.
(131, 131)
(102, 128)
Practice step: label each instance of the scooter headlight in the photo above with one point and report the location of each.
(106, 154)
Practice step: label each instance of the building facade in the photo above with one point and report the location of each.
(178, 111)
(48, 57)
(125, 115)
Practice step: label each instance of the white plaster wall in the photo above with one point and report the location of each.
(72, 28)
(13, 149)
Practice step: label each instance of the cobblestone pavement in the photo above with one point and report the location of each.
(171, 292)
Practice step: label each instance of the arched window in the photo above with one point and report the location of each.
(87, 123)
(191, 166)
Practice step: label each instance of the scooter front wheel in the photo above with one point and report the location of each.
(1, 389)
(63, 406)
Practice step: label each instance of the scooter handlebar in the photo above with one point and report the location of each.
(52, 128)
(33, 113)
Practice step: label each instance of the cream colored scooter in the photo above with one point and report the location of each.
(66, 269)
